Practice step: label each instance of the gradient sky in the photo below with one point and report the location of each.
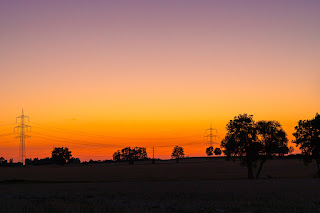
(97, 76)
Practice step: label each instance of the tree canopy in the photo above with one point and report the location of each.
(130, 154)
(307, 135)
(217, 151)
(61, 155)
(209, 151)
(253, 142)
(177, 153)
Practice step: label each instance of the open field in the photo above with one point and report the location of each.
(193, 185)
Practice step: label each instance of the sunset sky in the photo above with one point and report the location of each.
(97, 76)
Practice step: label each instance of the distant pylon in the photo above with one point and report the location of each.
(153, 160)
(21, 130)
(211, 135)
(153, 152)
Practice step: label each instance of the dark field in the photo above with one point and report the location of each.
(193, 185)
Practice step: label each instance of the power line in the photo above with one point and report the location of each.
(71, 141)
(60, 130)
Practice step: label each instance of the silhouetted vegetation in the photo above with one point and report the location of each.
(131, 155)
(209, 151)
(97, 161)
(217, 151)
(307, 136)
(61, 155)
(49, 161)
(177, 153)
(3, 161)
(38, 162)
(253, 142)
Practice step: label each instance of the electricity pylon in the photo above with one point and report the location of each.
(21, 130)
(211, 135)
(153, 160)
(153, 152)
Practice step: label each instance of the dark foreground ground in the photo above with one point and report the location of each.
(194, 185)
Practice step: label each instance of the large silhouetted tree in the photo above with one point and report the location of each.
(209, 151)
(61, 155)
(272, 138)
(307, 135)
(177, 153)
(241, 141)
(253, 142)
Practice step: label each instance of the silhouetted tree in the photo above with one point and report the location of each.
(209, 151)
(253, 142)
(217, 151)
(177, 153)
(272, 138)
(127, 154)
(307, 135)
(140, 153)
(131, 155)
(241, 141)
(3, 161)
(284, 150)
(117, 156)
(61, 155)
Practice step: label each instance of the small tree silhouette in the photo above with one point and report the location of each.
(217, 151)
(307, 136)
(177, 153)
(209, 151)
(61, 155)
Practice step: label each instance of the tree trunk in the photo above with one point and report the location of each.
(250, 173)
(318, 167)
(260, 168)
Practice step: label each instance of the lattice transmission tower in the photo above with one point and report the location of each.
(21, 130)
(210, 136)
